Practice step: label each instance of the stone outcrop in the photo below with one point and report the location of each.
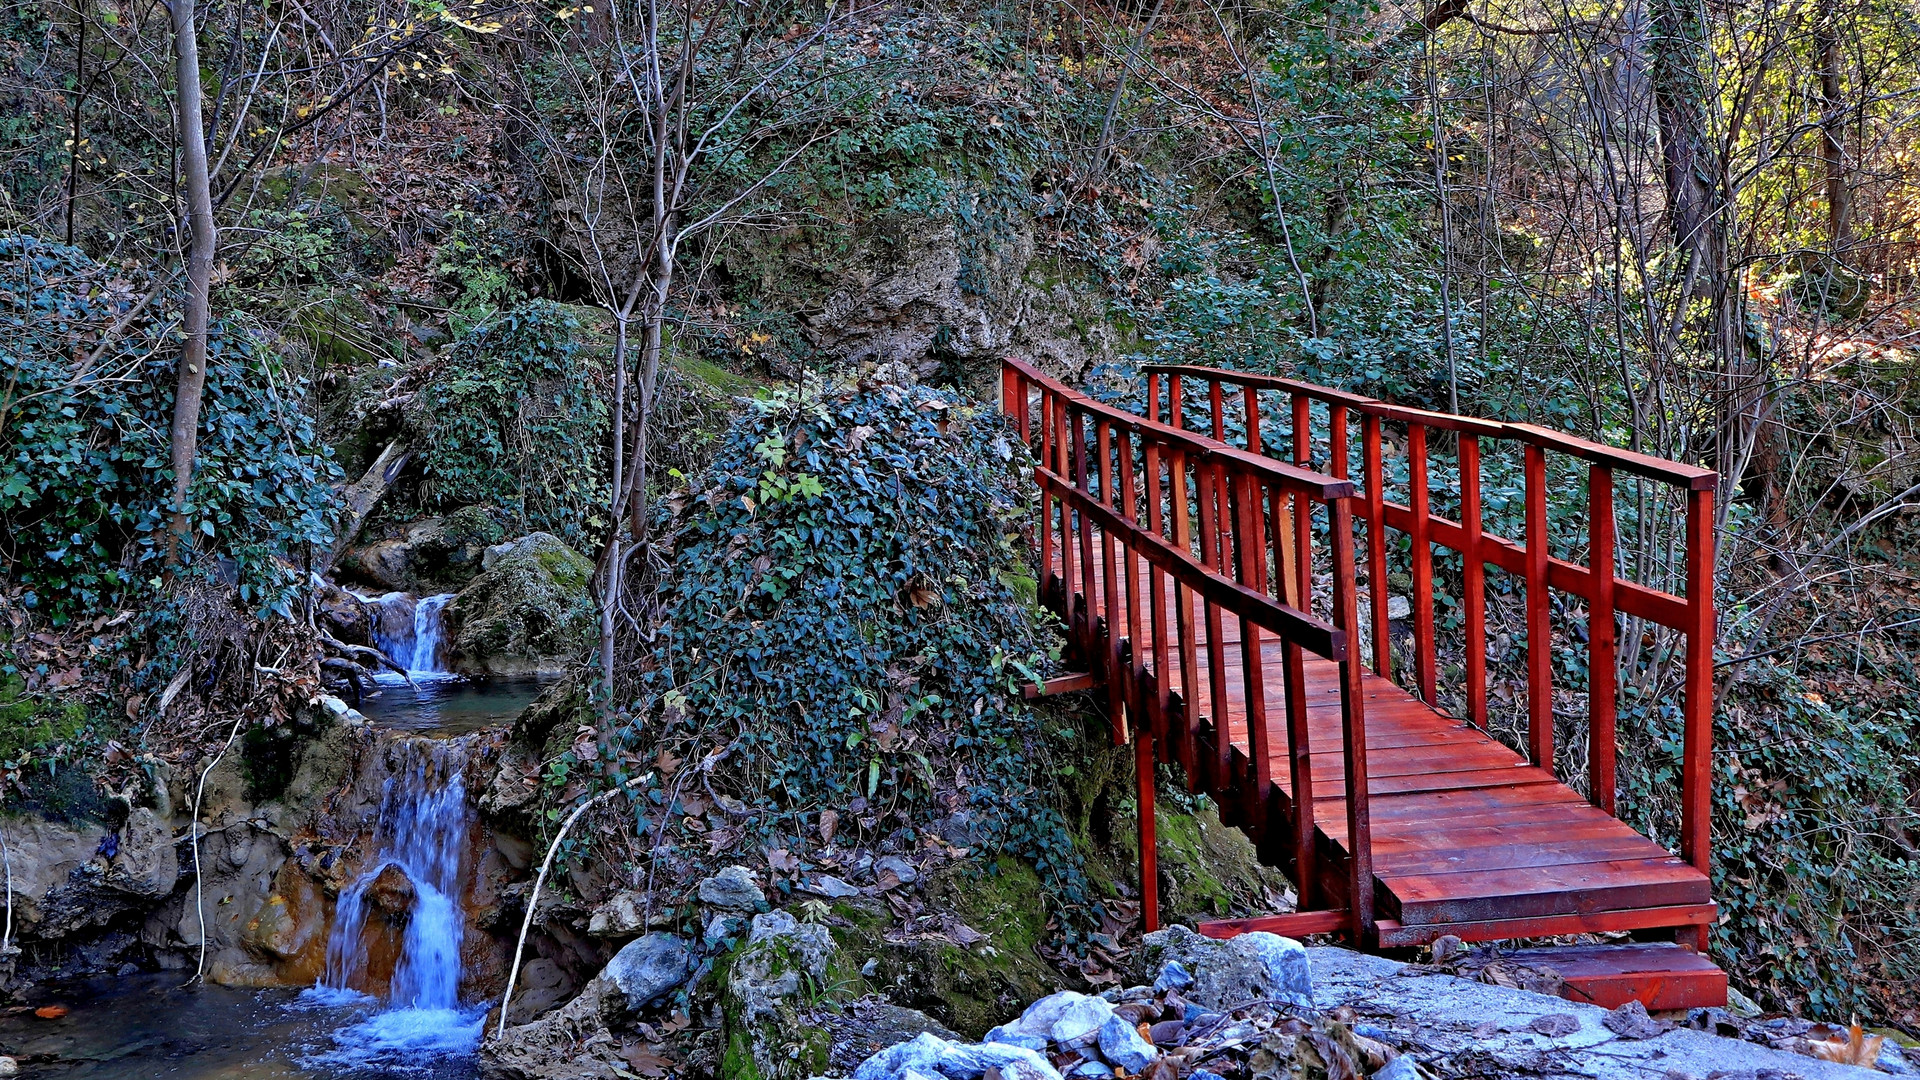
(530, 612)
(431, 555)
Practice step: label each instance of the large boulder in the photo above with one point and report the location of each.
(431, 555)
(1226, 974)
(529, 613)
(648, 969)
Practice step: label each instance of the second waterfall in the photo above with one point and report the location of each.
(412, 883)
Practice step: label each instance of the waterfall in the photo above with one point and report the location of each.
(412, 632)
(428, 626)
(420, 837)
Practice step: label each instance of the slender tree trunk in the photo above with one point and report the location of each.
(198, 189)
(1694, 218)
(1833, 129)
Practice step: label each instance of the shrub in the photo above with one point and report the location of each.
(850, 610)
(84, 472)
(515, 418)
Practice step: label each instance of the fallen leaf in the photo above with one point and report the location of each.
(1858, 1049)
(1554, 1025)
(50, 1012)
(1630, 1021)
(782, 860)
(965, 936)
(829, 824)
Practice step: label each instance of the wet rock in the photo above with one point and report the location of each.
(391, 893)
(530, 613)
(733, 889)
(1250, 967)
(572, 1042)
(1121, 1045)
(432, 555)
(648, 969)
(542, 985)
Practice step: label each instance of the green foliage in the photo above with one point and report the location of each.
(1819, 903)
(84, 474)
(473, 260)
(848, 611)
(514, 418)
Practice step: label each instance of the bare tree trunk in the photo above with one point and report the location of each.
(192, 375)
(360, 497)
(1833, 128)
(1694, 215)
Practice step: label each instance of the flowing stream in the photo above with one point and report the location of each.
(415, 875)
(412, 632)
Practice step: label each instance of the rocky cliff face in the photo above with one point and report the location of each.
(262, 894)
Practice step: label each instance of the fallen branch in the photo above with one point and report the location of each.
(380, 659)
(199, 877)
(540, 879)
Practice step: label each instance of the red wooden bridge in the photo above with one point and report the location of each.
(1211, 593)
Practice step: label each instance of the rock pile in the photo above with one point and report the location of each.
(1243, 1007)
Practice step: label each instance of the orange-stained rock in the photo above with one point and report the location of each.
(391, 894)
(290, 929)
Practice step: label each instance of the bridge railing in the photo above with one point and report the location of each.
(1214, 533)
(1597, 582)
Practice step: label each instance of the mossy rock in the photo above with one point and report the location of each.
(1210, 871)
(530, 612)
(438, 554)
(968, 989)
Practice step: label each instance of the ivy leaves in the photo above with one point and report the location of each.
(83, 460)
(848, 607)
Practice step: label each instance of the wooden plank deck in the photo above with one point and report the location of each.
(1465, 830)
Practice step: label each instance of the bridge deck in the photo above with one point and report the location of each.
(1465, 830)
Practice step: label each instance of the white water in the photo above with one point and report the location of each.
(419, 642)
(422, 831)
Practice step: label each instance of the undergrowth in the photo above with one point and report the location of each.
(845, 625)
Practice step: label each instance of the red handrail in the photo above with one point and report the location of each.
(1232, 530)
(1598, 583)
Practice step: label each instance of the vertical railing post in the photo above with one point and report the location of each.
(1176, 402)
(1300, 535)
(1183, 620)
(1107, 633)
(1153, 396)
(1219, 410)
(1157, 595)
(1602, 673)
(1696, 808)
(1419, 500)
(1377, 545)
(1473, 600)
(1252, 398)
(1250, 547)
(1212, 499)
(1539, 615)
(1353, 727)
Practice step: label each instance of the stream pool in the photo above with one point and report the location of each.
(150, 1026)
(439, 704)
